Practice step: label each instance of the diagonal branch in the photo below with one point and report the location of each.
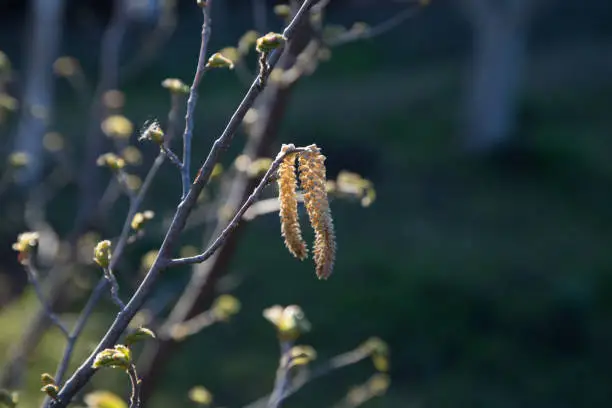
(86, 371)
(238, 216)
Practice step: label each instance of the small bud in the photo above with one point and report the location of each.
(282, 10)
(46, 379)
(201, 3)
(26, 242)
(153, 132)
(200, 395)
(217, 60)
(51, 390)
(301, 355)
(225, 306)
(112, 161)
(8, 398)
(290, 321)
(18, 160)
(379, 383)
(269, 42)
(102, 253)
(118, 357)
(141, 218)
(140, 334)
(117, 126)
(175, 85)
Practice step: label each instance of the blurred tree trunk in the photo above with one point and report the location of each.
(499, 40)
(46, 28)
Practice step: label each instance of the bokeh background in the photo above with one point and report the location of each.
(485, 262)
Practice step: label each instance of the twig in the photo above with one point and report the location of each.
(135, 397)
(33, 278)
(374, 31)
(234, 222)
(189, 327)
(193, 99)
(120, 246)
(85, 371)
(171, 155)
(78, 328)
(110, 277)
(282, 376)
(335, 363)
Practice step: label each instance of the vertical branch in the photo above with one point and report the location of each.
(193, 99)
(84, 373)
(200, 291)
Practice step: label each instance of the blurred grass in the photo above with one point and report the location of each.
(490, 279)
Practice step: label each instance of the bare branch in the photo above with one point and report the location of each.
(306, 376)
(193, 99)
(136, 382)
(85, 371)
(234, 222)
(33, 278)
(110, 277)
(374, 31)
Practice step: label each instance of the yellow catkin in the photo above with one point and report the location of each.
(290, 226)
(313, 180)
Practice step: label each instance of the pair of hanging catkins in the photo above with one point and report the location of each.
(311, 171)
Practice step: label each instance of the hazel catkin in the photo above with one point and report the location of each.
(313, 180)
(290, 226)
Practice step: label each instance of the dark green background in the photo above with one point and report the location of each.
(490, 277)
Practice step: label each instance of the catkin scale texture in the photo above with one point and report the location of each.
(313, 181)
(290, 226)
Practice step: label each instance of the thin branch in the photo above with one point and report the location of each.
(85, 371)
(335, 363)
(33, 278)
(189, 327)
(234, 222)
(110, 277)
(282, 376)
(373, 31)
(171, 155)
(136, 382)
(77, 329)
(121, 243)
(193, 99)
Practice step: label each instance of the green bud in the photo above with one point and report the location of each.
(140, 334)
(47, 379)
(51, 390)
(269, 42)
(118, 357)
(282, 10)
(175, 85)
(102, 253)
(217, 60)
